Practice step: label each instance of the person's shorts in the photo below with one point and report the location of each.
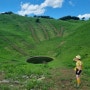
(78, 72)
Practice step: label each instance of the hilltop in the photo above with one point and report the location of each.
(24, 37)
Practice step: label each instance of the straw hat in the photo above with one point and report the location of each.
(78, 56)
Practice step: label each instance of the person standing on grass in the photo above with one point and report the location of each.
(78, 68)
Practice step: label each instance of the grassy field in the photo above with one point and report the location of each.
(22, 38)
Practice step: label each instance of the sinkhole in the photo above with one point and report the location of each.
(39, 60)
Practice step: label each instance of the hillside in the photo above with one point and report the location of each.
(23, 37)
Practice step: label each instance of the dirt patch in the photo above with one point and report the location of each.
(64, 79)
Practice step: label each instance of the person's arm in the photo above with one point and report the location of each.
(74, 59)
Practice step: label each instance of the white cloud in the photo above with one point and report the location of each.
(52, 3)
(87, 16)
(71, 3)
(28, 8)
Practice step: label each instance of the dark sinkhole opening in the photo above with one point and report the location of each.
(39, 60)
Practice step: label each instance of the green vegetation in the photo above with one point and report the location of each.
(23, 37)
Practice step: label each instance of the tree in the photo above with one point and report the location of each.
(10, 12)
(38, 20)
(35, 16)
(83, 18)
(69, 18)
(47, 17)
(26, 15)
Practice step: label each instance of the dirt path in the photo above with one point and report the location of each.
(64, 79)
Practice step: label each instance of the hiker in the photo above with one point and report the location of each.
(78, 68)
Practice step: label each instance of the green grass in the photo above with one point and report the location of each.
(22, 38)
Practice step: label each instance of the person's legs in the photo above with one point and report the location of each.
(78, 80)
(78, 72)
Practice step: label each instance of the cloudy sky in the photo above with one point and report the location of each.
(53, 8)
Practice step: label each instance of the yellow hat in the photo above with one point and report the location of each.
(78, 56)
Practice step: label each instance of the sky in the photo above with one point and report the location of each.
(52, 8)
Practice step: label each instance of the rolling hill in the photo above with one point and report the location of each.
(23, 37)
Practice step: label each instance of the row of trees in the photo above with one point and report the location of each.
(62, 18)
(48, 17)
(69, 18)
(7, 12)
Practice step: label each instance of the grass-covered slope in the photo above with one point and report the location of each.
(23, 37)
(19, 35)
(77, 42)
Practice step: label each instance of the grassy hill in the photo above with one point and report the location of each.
(23, 37)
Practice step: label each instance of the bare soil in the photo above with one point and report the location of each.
(64, 79)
